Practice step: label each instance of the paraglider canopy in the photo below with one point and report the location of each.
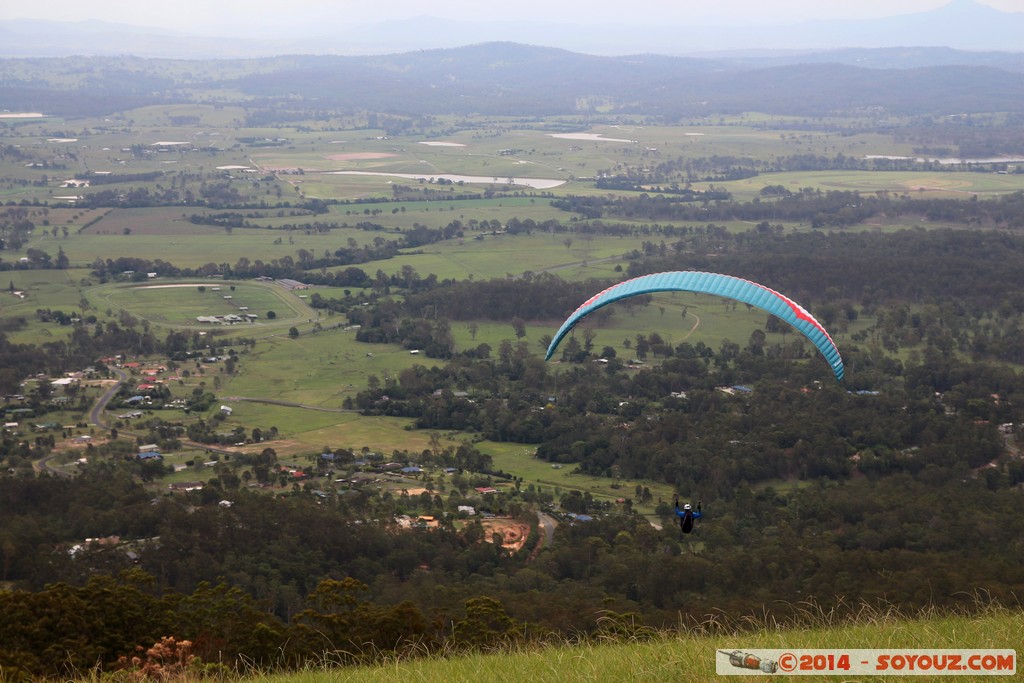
(727, 286)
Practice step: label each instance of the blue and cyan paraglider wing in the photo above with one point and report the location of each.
(727, 286)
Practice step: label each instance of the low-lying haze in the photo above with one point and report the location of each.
(243, 17)
(233, 28)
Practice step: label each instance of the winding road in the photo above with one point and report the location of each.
(95, 419)
(96, 412)
(548, 523)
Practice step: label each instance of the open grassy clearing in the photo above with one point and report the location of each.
(306, 432)
(498, 256)
(178, 303)
(43, 289)
(494, 333)
(317, 369)
(165, 115)
(190, 251)
(438, 214)
(53, 289)
(938, 183)
(519, 459)
(167, 221)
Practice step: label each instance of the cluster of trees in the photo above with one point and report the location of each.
(674, 423)
(964, 272)
(333, 577)
(968, 138)
(15, 227)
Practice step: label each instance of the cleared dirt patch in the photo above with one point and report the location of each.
(512, 532)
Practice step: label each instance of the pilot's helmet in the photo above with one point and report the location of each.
(686, 507)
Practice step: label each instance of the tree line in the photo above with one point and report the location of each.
(828, 209)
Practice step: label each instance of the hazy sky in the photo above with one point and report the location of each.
(216, 16)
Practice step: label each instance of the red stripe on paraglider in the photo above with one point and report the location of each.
(798, 310)
(605, 291)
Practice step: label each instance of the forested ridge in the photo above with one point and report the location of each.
(505, 79)
(325, 577)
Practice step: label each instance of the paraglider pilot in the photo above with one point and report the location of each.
(686, 515)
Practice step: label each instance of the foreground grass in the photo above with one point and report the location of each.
(691, 656)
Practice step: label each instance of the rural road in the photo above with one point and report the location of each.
(43, 465)
(95, 418)
(548, 523)
(96, 413)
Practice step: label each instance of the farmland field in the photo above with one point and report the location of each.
(175, 304)
(520, 460)
(497, 256)
(263, 182)
(319, 370)
(178, 304)
(946, 184)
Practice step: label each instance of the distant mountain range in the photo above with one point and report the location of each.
(524, 80)
(961, 24)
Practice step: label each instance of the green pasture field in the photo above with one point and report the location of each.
(198, 471)
(438, 214)
(494, 333)
(163, 116)
(520, 460)
(306, 432)
(954, 184)
(64, 216)
(43, 289)
(61, 290)
(317, 369)
(497, 256)
(176, 304)
(351, 187)
(168, 221)
(188, 250)
(491, 148)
